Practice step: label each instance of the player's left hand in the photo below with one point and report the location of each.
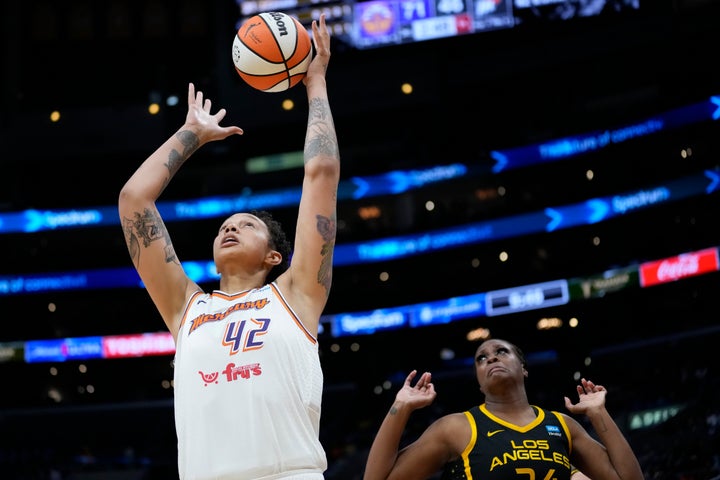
(321, 40)
(590, 396)
(419, 395)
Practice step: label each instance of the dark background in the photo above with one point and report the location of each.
(100, 63)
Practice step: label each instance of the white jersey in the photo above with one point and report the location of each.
(248, 386)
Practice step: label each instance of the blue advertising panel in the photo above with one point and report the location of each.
(60, 350)
(44, 351)
(527, 297)
(83, 348)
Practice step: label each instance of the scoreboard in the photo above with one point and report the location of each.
(378, 23)
(386, 22)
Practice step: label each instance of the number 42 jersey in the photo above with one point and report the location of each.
(248, 387)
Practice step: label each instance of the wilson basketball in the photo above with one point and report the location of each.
(272, 51)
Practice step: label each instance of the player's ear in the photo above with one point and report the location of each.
(274, 257)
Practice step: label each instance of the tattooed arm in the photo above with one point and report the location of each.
(307, 281)
(147, 239)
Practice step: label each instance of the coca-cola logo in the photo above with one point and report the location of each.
(687, 265)
(681, 267)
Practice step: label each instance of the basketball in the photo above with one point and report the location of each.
(272, 51)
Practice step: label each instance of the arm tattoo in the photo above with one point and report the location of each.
(132, 241)
(146, 228)
(190, 143)
(321, 139)
(327, 228)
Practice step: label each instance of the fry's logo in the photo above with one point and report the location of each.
(231, 373)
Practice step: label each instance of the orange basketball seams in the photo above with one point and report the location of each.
(272, 51)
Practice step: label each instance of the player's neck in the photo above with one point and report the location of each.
(240, 283)
(513, 410)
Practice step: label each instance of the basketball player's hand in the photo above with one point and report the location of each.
(421, 394)
(205, 124)
(590, 397)
(321, 40)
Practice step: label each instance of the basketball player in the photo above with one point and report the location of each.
(248, 382)
(505, 437)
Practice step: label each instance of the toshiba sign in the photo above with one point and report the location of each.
(681, 266)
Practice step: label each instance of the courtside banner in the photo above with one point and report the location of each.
(610, 281)
(681, 266)
(60, 350)
(12, 352)
(527, 297)
(138, 345)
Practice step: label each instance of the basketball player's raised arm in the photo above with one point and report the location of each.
(309, 277)
(610, 456)
(147, 238)
(424, 456)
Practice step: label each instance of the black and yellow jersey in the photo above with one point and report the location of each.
(499, 450)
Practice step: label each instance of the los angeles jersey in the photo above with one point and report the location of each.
(248, 386)
(499, 450)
